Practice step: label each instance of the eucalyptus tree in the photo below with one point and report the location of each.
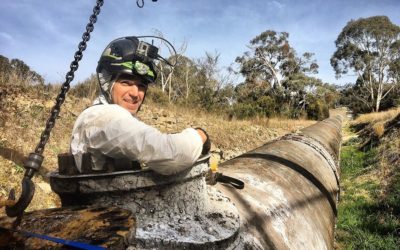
(370, 48)
(16, 71)
(167, 72)
(271, 59)
(5, 69)
(208, 80)
(183, 79)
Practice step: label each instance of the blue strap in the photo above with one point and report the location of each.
(79, 245)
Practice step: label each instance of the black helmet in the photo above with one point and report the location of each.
(126, 55)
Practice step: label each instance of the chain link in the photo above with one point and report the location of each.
(55, 111)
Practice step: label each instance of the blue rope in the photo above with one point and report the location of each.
(76, 244)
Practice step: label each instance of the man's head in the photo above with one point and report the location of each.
(126, 58)
(128, 91)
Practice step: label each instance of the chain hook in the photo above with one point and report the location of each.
(140, 3)
(28, 190)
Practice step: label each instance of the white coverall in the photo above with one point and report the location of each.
(110, 130)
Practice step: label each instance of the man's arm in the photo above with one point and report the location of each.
(112, 131)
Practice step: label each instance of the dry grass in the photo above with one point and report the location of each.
(379, 128)
(230, 137)
(390, 163)
(283, 123)
(23, 114)
(288, 125)
(376, 117)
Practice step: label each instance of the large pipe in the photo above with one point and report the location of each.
(291, 189)
(288, 202)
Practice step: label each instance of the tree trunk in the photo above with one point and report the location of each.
(187, 83)
(378, 102)
(169, 87)
(163, 84)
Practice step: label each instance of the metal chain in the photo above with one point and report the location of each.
(68, 79)
(140, 3)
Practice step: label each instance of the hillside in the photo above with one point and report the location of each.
(24, 111)
(369, 210)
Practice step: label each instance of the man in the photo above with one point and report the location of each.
(110, 127)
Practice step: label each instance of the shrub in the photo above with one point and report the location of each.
(155, 94)
(88, 88)
(266, 105)
(244, 110)
(316, 109)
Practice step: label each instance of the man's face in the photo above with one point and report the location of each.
(128, 92)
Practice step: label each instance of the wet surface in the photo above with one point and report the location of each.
(107, 227)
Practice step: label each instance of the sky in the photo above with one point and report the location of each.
(45, 34)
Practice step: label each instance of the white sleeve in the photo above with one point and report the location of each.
(111, 130)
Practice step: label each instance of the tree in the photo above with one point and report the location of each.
(350, 96)
(88, 88)
(370, 48)
(276, 78)
(272, 59)
(17, 71)
(207, 84)
(5, 69)
(20, 68)
(184, 78)
(166, 71)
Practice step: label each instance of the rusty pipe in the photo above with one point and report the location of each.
(291, 189)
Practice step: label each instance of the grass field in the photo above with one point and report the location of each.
(368, 216)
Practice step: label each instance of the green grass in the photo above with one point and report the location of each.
(18, 168)
(365, 221)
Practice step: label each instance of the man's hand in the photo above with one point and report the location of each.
(206, 140)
